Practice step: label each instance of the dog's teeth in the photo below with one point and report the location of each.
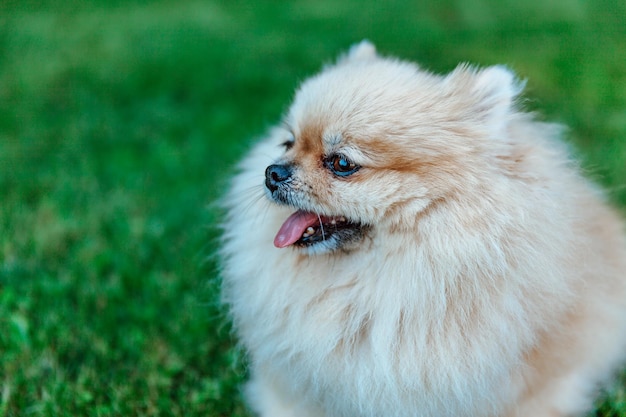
(342, 219)
(308, 232)
(333, 221)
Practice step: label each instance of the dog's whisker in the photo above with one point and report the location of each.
(250, 199)
(321, 226)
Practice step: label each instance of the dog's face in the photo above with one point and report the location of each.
(372, 142)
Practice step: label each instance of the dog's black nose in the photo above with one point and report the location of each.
(276, 175)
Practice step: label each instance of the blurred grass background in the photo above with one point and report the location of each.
(120, 122)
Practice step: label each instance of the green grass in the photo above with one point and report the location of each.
(120, 122)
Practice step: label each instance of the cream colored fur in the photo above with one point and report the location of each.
(492, 280)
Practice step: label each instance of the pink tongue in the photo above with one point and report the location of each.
(294, 227)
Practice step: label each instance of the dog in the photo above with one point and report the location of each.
(411, 244)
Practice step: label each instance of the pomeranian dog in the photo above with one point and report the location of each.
(406, 244)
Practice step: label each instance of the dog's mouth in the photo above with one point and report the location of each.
(306, 229)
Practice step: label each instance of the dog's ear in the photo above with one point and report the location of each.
(362, 51)
(497, 87)
(490, 93)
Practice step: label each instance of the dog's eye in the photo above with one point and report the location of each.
(342, 166)
(288, 144)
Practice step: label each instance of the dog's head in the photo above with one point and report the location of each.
(371, 142)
